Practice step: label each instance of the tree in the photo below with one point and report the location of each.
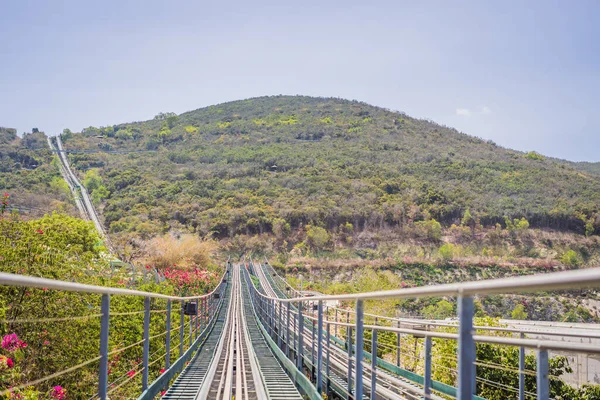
(570, 258)
(467, 219)
(589, 228)
(447, 251)
(317, 238)
(519, 312)
(443, 309)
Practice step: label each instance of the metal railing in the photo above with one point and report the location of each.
(275, 312)
(200, 320)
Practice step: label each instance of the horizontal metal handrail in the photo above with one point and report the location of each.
(439, 324)
(44, 283)
(550, 281)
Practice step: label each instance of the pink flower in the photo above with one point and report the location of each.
(41, 232)
(163, 393)
(131, 374)
(6, 363)
(59, 393)
(12, 343)
(46, 342)
(162, 371)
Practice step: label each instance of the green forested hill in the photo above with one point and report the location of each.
(28, 175)
(260, 164)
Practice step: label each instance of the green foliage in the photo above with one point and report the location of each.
(317, 238)
(516, 225)
(94, 184)
(571, 258)
(431, 229)
(336, 161)
(532, 155)
(589, 228)
(441, 310)
(92, 180)
(124, 134)
(446, 251)
(61, 247)
(519, 312)
(191, 129)
(467, 219)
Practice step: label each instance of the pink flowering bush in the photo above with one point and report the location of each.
(58, 393)
(188, 281)
(6, 363)
(12, 343)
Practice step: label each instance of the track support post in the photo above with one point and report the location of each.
(299, 349)
(104, 325)
(168, 338)
(466, 349)
(427, 369)
(320, 348)
(358, 384)
(146, 343)
(543, 386)
(374, 362)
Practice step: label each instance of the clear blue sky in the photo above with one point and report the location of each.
(525, 74)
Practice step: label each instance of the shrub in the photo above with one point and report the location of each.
(317, 238)
(187, 251)
(519, 312)
(447, 251)
(570, 258)
(431, 229)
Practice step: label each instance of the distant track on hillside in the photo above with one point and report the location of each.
(80, 194)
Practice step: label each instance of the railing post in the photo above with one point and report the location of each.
(181, 323)
(398, 344)
(522, 370)
(287, 328)
(312, 347)
(358, 384)
(320, 348)
(278, 318)
(197, 320)
(543, 387)
(466, 349)
(146, 343)
(168, 338)
(427, 369)
(104, 325)
(273, 330)
(191, 330)
(373, 362)
(300, 335)
(327, 361)
(349, 344)
(336, 320)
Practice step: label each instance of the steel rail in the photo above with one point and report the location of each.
(436, 323)
(44, 283)
(551, 281)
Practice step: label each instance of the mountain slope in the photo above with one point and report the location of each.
(28, 175)
(254, 165)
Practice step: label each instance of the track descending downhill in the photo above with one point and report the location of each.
(234, 362)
